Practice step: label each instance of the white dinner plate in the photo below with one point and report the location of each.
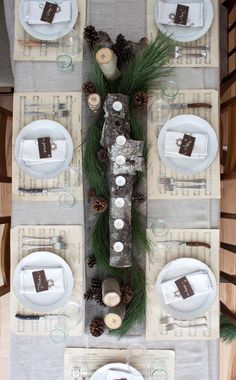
(49, 32)
(101, 373)
(43, 301)
(187, 34)
(44, 128)
(191, 307)
(188, 124)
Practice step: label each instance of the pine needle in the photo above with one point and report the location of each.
(227, 329)
(148, 65)
(140, 240)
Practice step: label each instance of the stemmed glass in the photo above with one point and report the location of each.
(69, 46)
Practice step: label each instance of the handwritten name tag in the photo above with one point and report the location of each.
(40, 281)
(181, 15)
(49, 12)
(184, 287)
(187, 145)
(45, 148)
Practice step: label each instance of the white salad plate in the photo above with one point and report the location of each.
(188, 124)
(191, 307)
(44, 128)
(43, 301)
(187, 34)
(49, 32)
(101, 373)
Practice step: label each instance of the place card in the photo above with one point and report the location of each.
(40, 281)
(181, 16)
(49, 12)
(45, 149)
(187, 144)
(184, 287)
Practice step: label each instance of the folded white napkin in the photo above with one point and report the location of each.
(199, 281)
(195, 13)
(200, 148)
(55, 274)
(33, 12)
(115, 374)
(29, 152)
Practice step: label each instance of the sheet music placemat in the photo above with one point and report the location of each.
(73, 254)
(211, 39)
(96, 358)
(157, 260)
(26, 53)
(158, 169)
(70, 178)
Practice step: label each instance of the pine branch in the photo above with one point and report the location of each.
(148, 65)
(227, 329)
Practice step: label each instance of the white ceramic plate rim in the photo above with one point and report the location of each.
(41, 255)
(204, 307)
(208, 18)
(119, 367)
(65, 27)
(32, 172)
(174, 124)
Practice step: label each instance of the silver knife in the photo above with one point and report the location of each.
(175, 243)
(40, 190)
(38, 317)
(190, 105)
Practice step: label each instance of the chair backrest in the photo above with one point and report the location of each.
(230, 161)
(4, 115)
(5, 255)
(6, 76)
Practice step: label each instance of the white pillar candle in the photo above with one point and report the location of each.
(120, 160)
(118, 246)
(117, 106)
(118, 224)
(119, 202)
(114, 317)
(120, 180)
(94, 102)
(121, 140)
(111, 292)
(107, 59)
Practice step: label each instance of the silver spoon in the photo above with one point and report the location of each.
(58, 245)
(53, 239)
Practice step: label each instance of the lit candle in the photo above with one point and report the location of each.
(119, 202)
(120, 140)
(120, 160)
(120, 180)
(118, 224)
(118, 246)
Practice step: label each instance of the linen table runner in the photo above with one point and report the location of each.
(73, 254)
(158, 169)
(26, 53)
(69, 179)
(155, 262)
(211, 39)
(95, 358)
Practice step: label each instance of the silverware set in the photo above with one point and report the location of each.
(37, 109)
(187, 51)
(170, 323)
(80, 373)
(172, 184)
(50, 242)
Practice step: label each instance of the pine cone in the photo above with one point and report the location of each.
(95, 285)
(139, 197)
(140, 99)
(91, 36)
(97, 327)
(88, 88)
(123, 50)
(126, 295)
(98, 298)
(91, 261)
(104, 37)
(103, 155)
(88, 295)
(100, 204)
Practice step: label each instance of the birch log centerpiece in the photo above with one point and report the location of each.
(94, 102)
(114, 317)
(107, 61)
(111, 294)
(125, 158)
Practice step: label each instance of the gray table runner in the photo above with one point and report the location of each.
(34, 358)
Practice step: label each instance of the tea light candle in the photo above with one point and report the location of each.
(118, 224)
(118, 246)
(117, 106)
(119, 202)
(120, 180)
(121, 140)
(120, 160)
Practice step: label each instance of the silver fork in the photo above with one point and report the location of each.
(171, 185)
(200, 47)
(75, 373)
(58, 106)
(53, 239)
(84, 371)
(172, 181)
(171, 326)
(178, 53)
(58, 113)
(168, 320)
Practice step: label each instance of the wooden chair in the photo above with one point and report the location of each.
(5, 254)
(228, 156)
(230, 77)
(4, 115)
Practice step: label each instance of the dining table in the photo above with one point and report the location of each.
(36, 357)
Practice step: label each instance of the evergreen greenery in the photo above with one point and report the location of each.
(227, 329)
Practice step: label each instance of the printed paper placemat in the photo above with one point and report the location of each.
(70, 178)
(156, 260)
(211, 39)
(158, 172)
(96, 358)
(42, 53)
(73, 254)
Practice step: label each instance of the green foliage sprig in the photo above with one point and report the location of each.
(227, 329)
